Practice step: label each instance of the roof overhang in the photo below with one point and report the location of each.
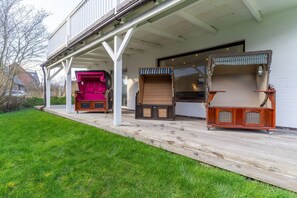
(157, 25)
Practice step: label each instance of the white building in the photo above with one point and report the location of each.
(179, 33)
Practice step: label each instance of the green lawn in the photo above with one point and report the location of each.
(42, 155)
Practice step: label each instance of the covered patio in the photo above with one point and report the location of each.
(160, 32)
(255, 154)
(153, 31)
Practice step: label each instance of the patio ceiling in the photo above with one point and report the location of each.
(198, 19)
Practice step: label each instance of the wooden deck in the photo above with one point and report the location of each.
(270, 158)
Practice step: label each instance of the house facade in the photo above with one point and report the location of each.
(123, 36)
(24, 81)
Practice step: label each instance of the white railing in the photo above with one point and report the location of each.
(58, 38)
(84, 15)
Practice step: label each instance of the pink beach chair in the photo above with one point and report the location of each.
(95, 93)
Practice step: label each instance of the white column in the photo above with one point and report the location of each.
(67, 68)
(68, 93)
(68, 88)
(118, 67)
(48, 89)
(117, 56)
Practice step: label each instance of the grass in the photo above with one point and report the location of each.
(43, 155)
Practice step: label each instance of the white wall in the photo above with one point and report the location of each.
(277, 32)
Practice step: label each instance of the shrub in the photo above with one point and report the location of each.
(12, 103)
(31, 102)
(16, 103)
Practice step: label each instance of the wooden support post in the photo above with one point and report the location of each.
(48, 89)
(68, 93)
(118, 67)
(116, 55)
(67, 67)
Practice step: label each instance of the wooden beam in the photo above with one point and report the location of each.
(134, 51)
(80, 66)
(48, 88)
(117, 84)
(68, 66)
(134, 22)
(250, 4)
(55, 74)
(128, 50)
(116, 55)
(89, 59)
(197, 22)
(93, 55)
(99, 51)
(101, 55)
(86, 63)
(109, 50)
(146, 43)
(157, 2)
(162, 33)
(124, 43)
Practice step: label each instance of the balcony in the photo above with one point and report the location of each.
(84, 16)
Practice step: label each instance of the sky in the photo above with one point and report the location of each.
(59, 10)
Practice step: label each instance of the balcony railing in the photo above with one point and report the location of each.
(84, 15)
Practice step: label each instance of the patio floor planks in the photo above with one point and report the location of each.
(255, 154)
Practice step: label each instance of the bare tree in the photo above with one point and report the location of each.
(57, 86)
(23, 39)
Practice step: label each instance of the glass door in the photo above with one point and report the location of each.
(124, 89)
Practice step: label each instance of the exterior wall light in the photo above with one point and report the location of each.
(260, 70)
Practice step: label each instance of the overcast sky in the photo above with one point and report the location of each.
(59, 10)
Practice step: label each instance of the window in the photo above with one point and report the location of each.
(124, 89)
(190, 71)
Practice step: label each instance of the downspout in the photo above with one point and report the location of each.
(44, 87)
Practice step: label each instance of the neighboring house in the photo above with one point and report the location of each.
(18, 85)
(25, 81)
(181, 34)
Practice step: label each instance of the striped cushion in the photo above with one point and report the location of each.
(252, 59)
(155, 70)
